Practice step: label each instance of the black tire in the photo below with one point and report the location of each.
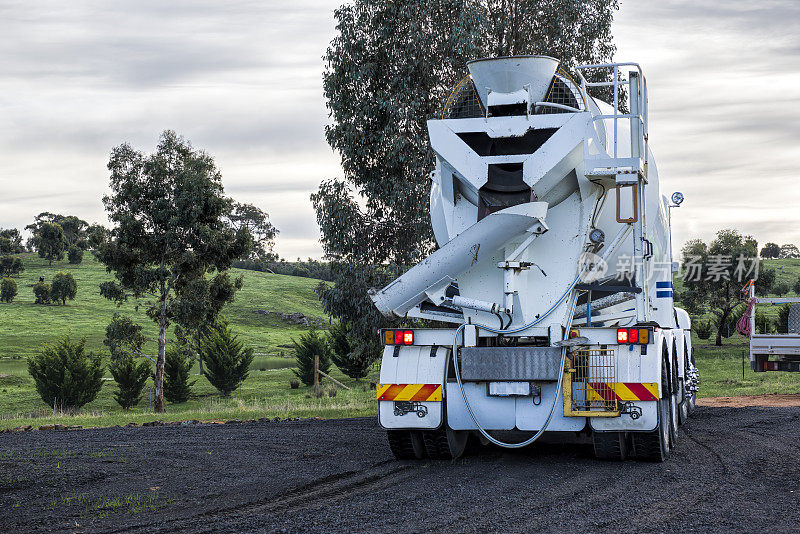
(693, 396)
(406, 444)
(683, 394)
(445, 443)
(653, 446)
(418, 445)
(673, 399)
(436, 445)
(610, 445)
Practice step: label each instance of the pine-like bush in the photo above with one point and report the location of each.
(65, 374)
(352, 361)
(130, 378)
(782, 324)
(311, 344)
(703, 329)
(8, 289)
(177, 366)
(227, 361)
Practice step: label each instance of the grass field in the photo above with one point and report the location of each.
(25, 326)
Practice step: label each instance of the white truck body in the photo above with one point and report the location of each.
(535, 249)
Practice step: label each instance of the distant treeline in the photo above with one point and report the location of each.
(320, 270)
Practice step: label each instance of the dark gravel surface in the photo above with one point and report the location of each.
(733, 469)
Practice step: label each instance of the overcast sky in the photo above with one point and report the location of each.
(242, 80)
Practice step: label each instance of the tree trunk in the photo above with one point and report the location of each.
(197, 349)
(722, 323)
(158, 380)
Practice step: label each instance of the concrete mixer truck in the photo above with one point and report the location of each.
(554, 269)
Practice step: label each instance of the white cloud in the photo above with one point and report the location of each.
(242, 80)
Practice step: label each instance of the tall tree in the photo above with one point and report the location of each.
(789, 251)
(389, 70)
(771, 250)
(10, 241)
(169, 215)
(715, 273)
(256, 222)
(50, 242)
(74, 228)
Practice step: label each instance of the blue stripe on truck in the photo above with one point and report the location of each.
(660, 285)
(663, 294)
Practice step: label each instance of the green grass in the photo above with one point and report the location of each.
(25, 327)
(721, 371)
(263, 394)
(721, 367)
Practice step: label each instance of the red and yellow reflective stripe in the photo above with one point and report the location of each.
(622, 391)
(409, 392)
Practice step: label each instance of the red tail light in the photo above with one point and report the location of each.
(398, 337)
(633, 335)
(622, 335)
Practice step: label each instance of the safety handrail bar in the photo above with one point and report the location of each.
(615, 83)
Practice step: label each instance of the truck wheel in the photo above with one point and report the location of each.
(610, 445)
(653, 446)
(673, 402)
(691, 402)
(406, 444)
(445, 443)
(684, 395)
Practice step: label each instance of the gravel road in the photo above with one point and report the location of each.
(733, 469)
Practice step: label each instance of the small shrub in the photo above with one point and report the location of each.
(764, 324)
(75, 254)
(782, 325)
(41, 291)
(352, 361)
(703, 329)
(331, 392)
(130, 378)
(65, 374)
(311, 344)
(8, 289)
(226, 359)
(294, 383)
(64, 287)
(780, 288)
(177, 366)
(11, 266)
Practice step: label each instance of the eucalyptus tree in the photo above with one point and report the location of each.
(169, 216)
(387, 71)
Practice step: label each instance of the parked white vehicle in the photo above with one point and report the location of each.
(772, 352)
(560, 290)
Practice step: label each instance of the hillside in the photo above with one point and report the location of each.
(25, 326)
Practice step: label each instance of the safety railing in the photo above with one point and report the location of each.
(635, 85)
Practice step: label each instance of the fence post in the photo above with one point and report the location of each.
(316, 375)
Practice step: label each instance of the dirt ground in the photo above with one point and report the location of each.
(733, 469)
(768, 400)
